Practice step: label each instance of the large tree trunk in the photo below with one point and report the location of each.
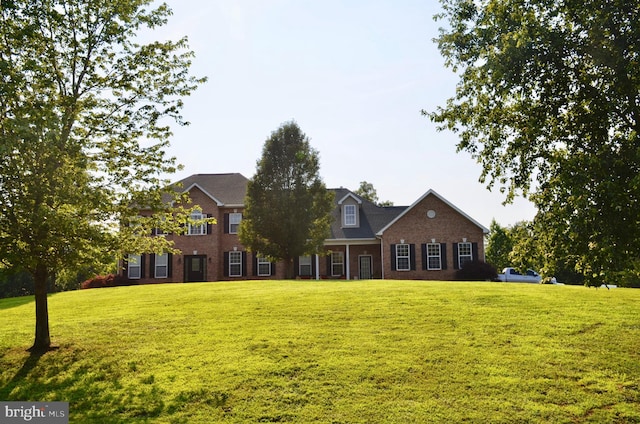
(43, 340)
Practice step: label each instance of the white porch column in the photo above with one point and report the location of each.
(382, 255)
(348, 269)
(317, 267)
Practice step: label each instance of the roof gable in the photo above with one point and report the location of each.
(224, 189)
(432, 193)
(196, 185)
(351, 195)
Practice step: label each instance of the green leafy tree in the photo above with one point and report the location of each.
(526, 252)
(499, 246)
(367, 191)
(84, 114)
(287, 207)
(549, 103)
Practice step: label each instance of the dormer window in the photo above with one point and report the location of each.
(350, 207)
(349, 215)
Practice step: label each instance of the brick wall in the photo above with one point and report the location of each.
(416, 227)
(431, 220)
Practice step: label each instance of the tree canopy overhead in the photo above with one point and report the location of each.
(287, 207)
(548, 102)
(84, 120)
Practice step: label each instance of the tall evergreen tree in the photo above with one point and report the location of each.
(84, 112)
(287, 207)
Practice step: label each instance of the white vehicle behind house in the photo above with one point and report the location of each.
(513, 276)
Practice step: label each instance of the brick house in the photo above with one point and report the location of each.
(428, 240)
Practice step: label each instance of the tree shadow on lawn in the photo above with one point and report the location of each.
(95, 392)
(14, 302)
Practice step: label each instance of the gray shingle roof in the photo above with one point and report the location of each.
(227, 189)
(230, 190)
(372, 218)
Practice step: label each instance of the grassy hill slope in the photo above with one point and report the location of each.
(334, 352)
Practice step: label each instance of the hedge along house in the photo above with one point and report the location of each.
(430, 239)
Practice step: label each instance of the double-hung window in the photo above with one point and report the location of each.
(434, 258)
(134, 267)
(264, 266)
(337, 263)
(304, 266)
(349, 215)
(235, 264)
(465, 253)
(197, 228)
(402, 257)
(234, 222)
(161, 266)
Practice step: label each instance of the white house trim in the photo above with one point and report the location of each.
(353, 196)
(199, 187)
(432, 192)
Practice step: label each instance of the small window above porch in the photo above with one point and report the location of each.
(350, 210)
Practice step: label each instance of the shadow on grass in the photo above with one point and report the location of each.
(23, 372)
(95, 392)
(14, 302)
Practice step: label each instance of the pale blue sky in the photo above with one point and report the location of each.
(353, 74)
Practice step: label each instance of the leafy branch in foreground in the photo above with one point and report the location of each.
(548, 102)
(84, 122)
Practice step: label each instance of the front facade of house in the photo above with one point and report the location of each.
(428, 240)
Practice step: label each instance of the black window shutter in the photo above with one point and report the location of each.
(313, 265)
(226, 264)
(169, 265)
(474, 252)
(296, 266)
(142, 265)
(424, 255)
(209, 225)
(393, 257)
(244, 264)
(328, 258)
(254, 263)
(152, 265)
(456, 262)
(412, 256)
(226, 223)
(443, 255)
(273, 268)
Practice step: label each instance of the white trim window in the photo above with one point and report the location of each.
(234, 222)
(197, 229)
(337, 264)
(235, 264)
(465, 253)
(349, 215)
(434, 257)
(134, 267)
(161, 266)
(304, 266)
(403, 263)
(264, 266)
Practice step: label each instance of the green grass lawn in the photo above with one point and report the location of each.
(331, 352)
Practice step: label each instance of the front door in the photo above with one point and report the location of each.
(195, 268)
(366, 271)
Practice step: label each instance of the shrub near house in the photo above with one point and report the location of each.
(431, 239)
